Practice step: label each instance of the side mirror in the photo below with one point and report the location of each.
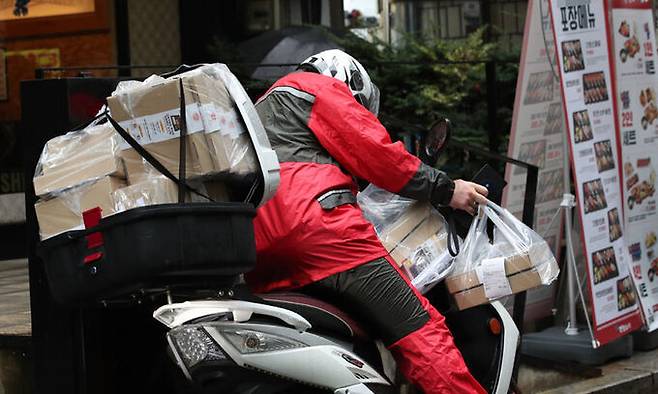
(435, 141)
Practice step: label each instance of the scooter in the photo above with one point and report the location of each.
(237, 342)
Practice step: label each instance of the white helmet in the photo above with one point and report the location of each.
(338, 64)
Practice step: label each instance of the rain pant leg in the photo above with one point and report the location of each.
(385, 302)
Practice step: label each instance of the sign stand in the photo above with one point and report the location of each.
(573, 343)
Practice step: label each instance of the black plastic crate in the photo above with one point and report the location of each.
(153, 246)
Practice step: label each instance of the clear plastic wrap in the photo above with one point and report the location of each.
(228, 140)
(381, 207)
(63, 212)
(217, 142)
(150, 112)
(152, 191)
(78, 157)
(517, 260)
(414, 233)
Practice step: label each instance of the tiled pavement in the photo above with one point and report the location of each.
(14, 299)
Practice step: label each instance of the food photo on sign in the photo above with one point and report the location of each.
(605, 265)
(582, 127)
(594, 87)
(572, 55)
(640, 184)
(648, 103)
(631, 45)
(554, 120)
(594, 196)
(614, 226)
(605, 160)
(540, 88)
(551, 184)
(533, 153)
(625, 294)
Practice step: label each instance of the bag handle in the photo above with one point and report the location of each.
(478, 227)
(512, 236)
(511, 219)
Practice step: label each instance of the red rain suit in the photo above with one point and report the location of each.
(312, 228)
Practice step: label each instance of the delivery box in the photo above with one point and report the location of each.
(518, 259)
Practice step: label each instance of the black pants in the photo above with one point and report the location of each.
(377, 296)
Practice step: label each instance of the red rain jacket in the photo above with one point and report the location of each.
(312, 227)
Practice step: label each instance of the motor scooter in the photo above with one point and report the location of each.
(237, 342)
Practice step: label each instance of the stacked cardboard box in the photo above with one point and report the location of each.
(217, 141)
(88, 168)
(151, 114)
(229, 143)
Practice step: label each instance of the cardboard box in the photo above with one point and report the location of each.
(66, 177)
(468, 291)
(168, 153)
(520, 281)
(469, 280)
(228, 139)
(217, 191)
(151, 114)
(64, 213)
(416, 227)
(67, 152)
(153, 191)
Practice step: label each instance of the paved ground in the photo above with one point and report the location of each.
(637, 374)
(14, 299)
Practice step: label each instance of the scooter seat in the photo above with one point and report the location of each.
(322, 316)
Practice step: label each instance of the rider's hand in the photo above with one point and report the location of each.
(468, 195)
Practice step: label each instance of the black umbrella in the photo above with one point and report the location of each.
(290, 45)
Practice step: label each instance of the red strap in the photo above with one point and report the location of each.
(91, 218)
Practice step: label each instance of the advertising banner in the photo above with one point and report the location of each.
(537, 137)
(584, 65)
(637, 83)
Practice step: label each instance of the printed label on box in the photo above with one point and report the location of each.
(491, 274)
(162, 126)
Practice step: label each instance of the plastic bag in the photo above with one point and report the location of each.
(381, 207)
(516, 249)
(414, 234)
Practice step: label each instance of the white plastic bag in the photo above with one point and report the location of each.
(491, 261)
(414, 233)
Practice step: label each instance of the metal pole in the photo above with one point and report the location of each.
(568, 202)
(572, 327)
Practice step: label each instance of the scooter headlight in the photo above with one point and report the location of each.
(193, 345)
(249, 341)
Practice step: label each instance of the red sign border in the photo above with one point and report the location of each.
(611, 330)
